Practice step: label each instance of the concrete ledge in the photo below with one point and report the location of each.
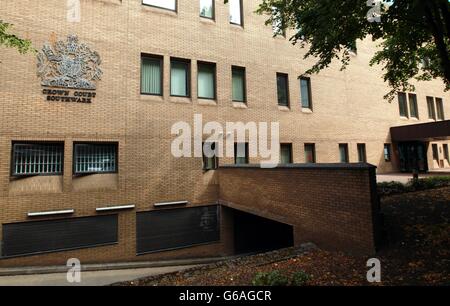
(111, 266)
(332, 166)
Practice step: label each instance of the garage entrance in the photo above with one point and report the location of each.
(256, 234)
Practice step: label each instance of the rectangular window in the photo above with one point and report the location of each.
(277, 24)
(387, 152)
(90, 158)
(413, 110)
(151, 75)
(236, 16)
(310, 153)
(238, 76)
(206, 81)
(241, 153)
(431, 109)
(440, 109)
(435, 152)
(37, 159)
(343, 153)
(165, 4)
(305, 88)
(207, 9)
(210, 159)
(362, 156)
(179, 78)
(402, 104)
(283, 89)
(446, 153)
(286, 153)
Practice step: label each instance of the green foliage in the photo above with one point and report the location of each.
(275, 278)
(390, 188)
(13, 41)
(300, 278)
(413, 35)
(272, 278)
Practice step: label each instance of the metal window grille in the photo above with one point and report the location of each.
(37, 159)
(95, 158)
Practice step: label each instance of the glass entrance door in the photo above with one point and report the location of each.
(412, 156)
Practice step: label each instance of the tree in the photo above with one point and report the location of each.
(13, 41)
(414, 35)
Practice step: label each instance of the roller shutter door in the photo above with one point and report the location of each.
(56, 235)
(176, 228)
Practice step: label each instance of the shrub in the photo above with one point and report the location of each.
(390, 188)
(275, 278)
(272, 278)
(300, 278)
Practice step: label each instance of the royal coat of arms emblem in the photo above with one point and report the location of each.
(69, 64)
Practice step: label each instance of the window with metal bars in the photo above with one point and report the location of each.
(37, 159)
(90, 158)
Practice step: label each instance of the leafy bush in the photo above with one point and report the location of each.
(300, 278)
(275, 278)
(390, 188)
(272, 278)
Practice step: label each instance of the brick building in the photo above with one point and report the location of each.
(86, 169)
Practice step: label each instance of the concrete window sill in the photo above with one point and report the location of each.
(241, 105)
(284, 108)
(207, 102)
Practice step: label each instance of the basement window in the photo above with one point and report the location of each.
(91, 158)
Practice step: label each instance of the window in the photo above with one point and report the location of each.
(282, 89)
(435, 152)
(305, 88)
(238, 76)
(353, 47)
(446, 153)
(413, 110)
(236, 12)
(402, 104)
(362, 157)
(37, 159)
(241, 153)
(310, 153)
(286, 153)
(206, 80)
(165, 4)
(151, 75)
(431, 110)
(440, 109)
(207, 9)
(277, 24)
(387, 152)
(179, 77)
(210, 159)
(90, 158)
(343, 153)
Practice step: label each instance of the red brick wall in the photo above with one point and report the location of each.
(334, 206)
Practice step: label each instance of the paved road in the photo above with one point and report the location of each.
(92, 278)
